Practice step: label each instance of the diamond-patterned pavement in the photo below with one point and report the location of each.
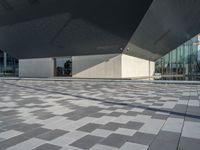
(74, 115)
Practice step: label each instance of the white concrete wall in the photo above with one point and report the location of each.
(111, 66)
(97, 66)
(38, 68)
(91, 66)
(133, 67)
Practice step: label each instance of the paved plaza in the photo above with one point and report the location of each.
(75, 115)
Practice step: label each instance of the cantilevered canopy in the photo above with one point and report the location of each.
(144, 28)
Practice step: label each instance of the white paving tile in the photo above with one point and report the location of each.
(193, 103)
(63, 140)
(77, 124)
(70, 148)
(123, 131)
(52, 120)
(121, 110)
(137, 109)
(101, 133)
(68, 138)
(153, 126)
(122, 119)
(9, 134)
(28, 144)
(141, 118)
(106, 111)
(173, 125)
(104, 120)
(169, 105)
(76, 134)
(133, 146)
(61, 124)
(102, 147)
(191, 130)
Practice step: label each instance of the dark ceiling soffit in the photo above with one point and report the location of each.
(53, 8)
(6, 5)
(34, 2)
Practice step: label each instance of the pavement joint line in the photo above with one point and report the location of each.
(107, 80)
(183, 122)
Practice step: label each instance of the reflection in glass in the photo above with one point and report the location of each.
(183, 63)
(63, 66)
(8, 65)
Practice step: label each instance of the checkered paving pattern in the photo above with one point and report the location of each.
(75, 115)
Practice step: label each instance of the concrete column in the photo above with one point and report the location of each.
(5, 60)
(149, 69)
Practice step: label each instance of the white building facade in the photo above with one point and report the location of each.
(90, 66)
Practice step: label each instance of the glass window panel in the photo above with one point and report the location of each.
(63, 66)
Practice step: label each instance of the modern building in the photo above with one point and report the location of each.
(181, 63)
(94, 38)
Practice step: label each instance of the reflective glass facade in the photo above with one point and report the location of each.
(8, 65)
(181, 63)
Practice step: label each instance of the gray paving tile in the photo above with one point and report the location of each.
(10, 122)
(51, 134)
(89, 127)
(115, 114)
(36, 132)
(148, 112)
(134, 125)
(165, 141)
(189, 144)
(180, 108)
(45, 115)
(47, 147)
(97, 115)
(86, 142)
(131, 113)
(1, 139)
(112, 126)
(157, 104)
(158, 116)
(193, 110)
(192, 119)
(115, 140)
(12, 141)
(23, 127)
(142, 138)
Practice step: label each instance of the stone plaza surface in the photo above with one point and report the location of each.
(74, 115)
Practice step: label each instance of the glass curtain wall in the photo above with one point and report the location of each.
(1, 63)
(8, 65)
(181, 63)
